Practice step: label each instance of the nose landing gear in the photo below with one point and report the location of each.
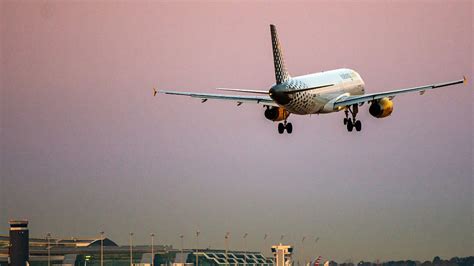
(283, 126)
(352, 123)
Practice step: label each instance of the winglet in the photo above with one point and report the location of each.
(464, 79)
(154, 92)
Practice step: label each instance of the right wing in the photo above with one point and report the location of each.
(239, 99)
(360, 99)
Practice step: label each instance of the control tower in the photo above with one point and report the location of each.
(19, 252)
(282, 254)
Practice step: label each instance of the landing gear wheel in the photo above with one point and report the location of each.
(345, 121)
(358, 125)
(289, 128)
(350, 126)
(281, 128)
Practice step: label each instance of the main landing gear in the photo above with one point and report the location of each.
(352, 123)
(283, 126)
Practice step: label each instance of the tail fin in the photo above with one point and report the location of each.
(281, 74)
(316, 262)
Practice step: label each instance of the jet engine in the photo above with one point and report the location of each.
(381, 108)
(276, 113)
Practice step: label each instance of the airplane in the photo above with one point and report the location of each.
(317, 261)
(319, 93)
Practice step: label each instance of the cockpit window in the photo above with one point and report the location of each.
(346, 75)
(349, 75)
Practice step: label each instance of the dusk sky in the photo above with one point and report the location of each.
(85, 147)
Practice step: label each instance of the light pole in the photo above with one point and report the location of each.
(227, 236)
(245, 248)
(152, 251)
(182, 242)
(315, 242)
(302, 250)
(48, 237)
(102, 248)
(197, 247)
(264, 244)
(131, 249)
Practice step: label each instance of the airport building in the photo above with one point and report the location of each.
(50, 251)
(87, 252)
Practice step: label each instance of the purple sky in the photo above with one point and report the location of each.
(85, 147)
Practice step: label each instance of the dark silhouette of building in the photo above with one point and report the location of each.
(19, 243)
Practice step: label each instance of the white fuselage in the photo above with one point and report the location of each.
(346, 82)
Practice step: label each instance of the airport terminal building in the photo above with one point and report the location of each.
(87, 252)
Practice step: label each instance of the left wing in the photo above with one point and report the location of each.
(239, 99)
(360, 99)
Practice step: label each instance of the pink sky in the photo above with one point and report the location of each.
(85, 147)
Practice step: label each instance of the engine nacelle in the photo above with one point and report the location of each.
(381, 108)
(276, 114)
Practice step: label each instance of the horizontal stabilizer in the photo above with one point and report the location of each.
(309, 89)
(244, 90)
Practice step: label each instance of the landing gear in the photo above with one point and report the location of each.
(358, 125)
(283, 126)
(346, 112)
(351, 123)
(289, 128)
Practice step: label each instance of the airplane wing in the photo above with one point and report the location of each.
(360, 99)
(239, 99)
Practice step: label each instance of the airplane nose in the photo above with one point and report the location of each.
(277, 93)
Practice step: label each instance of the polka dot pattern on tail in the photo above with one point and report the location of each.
(281, 74)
